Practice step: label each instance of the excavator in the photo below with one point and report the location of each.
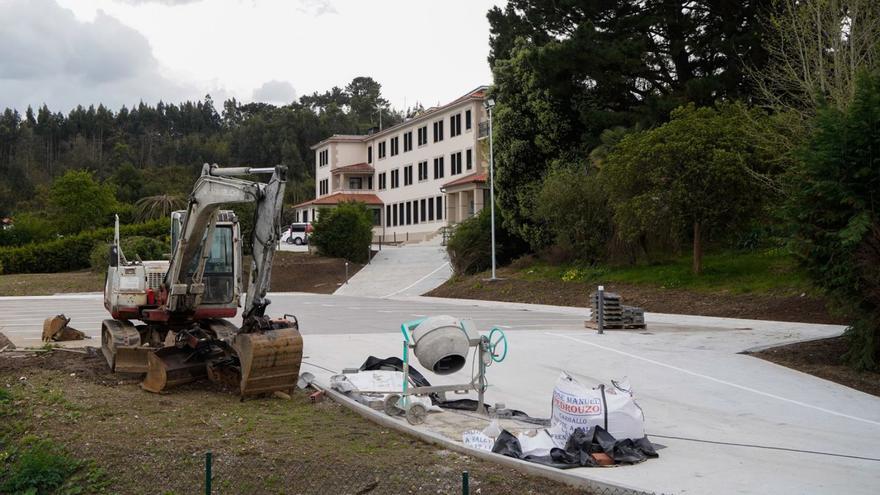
(183, 303)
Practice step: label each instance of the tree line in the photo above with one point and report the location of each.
(628, 130)
(152, 150)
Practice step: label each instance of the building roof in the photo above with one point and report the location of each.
(476, 94)
(467, 179)
(363, 168)
(336, 198)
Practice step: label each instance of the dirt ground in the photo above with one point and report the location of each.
(822, 358)
(300, 272)
(303, 272)
(149, 443)
(675, 301)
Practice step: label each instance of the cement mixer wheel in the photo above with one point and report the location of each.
(416, 414)
(391, 407)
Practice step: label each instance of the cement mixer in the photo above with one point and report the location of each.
(441, 344)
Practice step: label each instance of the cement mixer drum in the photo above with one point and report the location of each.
(441, 345)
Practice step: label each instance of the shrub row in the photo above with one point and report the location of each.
(70, 252)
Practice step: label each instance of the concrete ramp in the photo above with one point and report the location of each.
(400, 271)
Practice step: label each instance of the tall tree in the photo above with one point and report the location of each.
(834, 208)
(566, 70)
(687, 176)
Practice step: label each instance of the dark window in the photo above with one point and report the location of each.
(369, 154)
(438, 131)
(407, 175)
(400, 207)
(455, 163)
(395, 179)
(422, 210)
(323, 158)
(467, 120)
(394, 215)
(355, 182)
(388, 215)
(423, 171)
(395, 145)
(455, 125)
(407, 141)
(382, 181)
(423, 135)
(370, 182)
(323, 187)
(439, 200)
(469, 157)
(409, 212)
(382, 150)
(415, 211)
(438, 168)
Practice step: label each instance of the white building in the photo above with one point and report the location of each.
(417, 177)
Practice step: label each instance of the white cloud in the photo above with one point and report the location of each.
(163, 2)
(317, 8)
(277, 92)
(48, 56)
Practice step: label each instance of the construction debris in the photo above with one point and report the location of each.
(5, 343)
(615, 315)
(56, 328)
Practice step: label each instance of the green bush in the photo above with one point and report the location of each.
(72, 252)
(39, 468)
(575, 208)
(28, 228)
(344, 232)
(470, 247)
(145, 248)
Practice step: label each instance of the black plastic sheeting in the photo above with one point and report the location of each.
(394, 363)
(578, 448)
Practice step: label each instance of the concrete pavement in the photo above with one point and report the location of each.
(408, 270)
(724, 417)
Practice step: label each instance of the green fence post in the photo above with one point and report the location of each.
(465, 483)
(208, 461)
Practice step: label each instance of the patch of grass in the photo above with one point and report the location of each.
(43, 284)
(39, 466)
(770, 271)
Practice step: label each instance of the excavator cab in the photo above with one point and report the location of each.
(222, 286)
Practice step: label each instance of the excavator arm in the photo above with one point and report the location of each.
(217, 187)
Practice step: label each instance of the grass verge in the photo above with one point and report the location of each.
(149, 443)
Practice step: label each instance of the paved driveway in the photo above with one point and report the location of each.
(409, 270)
(731, 423)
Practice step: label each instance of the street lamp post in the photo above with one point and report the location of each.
(490, 104)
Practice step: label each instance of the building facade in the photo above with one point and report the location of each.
(416, 177)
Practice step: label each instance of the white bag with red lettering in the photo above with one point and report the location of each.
(576, 406)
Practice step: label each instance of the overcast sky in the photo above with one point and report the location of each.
(69, 52)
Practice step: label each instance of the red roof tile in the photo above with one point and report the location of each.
(365, 168)
(336, 198)
(467, 179)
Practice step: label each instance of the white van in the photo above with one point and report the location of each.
(297, 233)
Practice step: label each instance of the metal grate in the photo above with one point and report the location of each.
(154, 279)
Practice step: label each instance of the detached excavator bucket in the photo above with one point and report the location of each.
(172, 366)
(269, 360)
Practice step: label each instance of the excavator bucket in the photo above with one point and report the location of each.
(56, 328)
(172, 366)
(269, 360)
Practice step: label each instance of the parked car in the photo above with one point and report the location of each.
(297, 233)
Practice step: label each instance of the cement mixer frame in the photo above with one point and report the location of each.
(485, 347)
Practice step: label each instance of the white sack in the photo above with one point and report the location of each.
(478, 440)
(576, 406)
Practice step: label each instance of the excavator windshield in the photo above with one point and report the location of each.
(219, 275)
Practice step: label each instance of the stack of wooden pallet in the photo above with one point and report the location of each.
(615, 315)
